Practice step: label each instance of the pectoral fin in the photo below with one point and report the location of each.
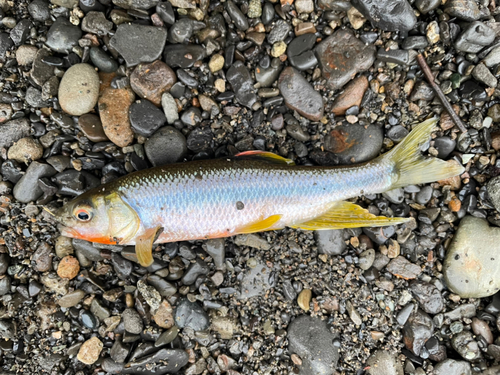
(144, 246)
(259, 226)
(348, 215)
(266, 156)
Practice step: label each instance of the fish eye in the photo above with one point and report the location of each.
(83, 214)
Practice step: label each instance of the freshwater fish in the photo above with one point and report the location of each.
(251, 192)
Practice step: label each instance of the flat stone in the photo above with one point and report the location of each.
(492, 58)
(21, 31)
(79, 89)
(475, 37)
(388, 15)
(41, 72)
(27, 189)
(466, 10)
(299, 95)
(300, 53)
(341, 56)
(169, 108)
(330, 241)
(71, 299)
(279, 32)
(25, 54)
(164, 361)
(151, 39)
(384, 363)
(482, 74)
(150, 81)
(428, 297)
(312, 340)
(183, 56)
(402, 267)
(354, 143)
(96, 23)
(145, 117)
(256, 281)
(13, 130)
(167, 145)
(102, 60)
(136, 4)
(90, 350)
(91, 126)
(25, 150)
(114, 107)
(351, 96)
(471, 267)
(39, 10)
(191, 315)
(417, 330)
(242, 83)
(63, 36)
(34, 98)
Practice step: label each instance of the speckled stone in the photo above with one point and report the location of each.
(79, 89)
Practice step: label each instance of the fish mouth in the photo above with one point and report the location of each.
(67, 231)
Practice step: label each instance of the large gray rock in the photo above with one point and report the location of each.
(311, 339)
(451, 366)
(79, 89)
(27, 189)
(63, 35)
(388, 15)
(13, 130)
(472, 265)
(331, 241)
(384, 363)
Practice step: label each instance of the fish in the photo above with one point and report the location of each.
(253, 191)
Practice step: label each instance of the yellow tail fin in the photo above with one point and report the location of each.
(410, 165)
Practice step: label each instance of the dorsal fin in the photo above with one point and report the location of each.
(265, 155)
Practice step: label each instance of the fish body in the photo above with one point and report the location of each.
(252, 192)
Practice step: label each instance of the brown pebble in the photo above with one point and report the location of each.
(68, 267)
(305, 28)
(481, 328)
(89, 351)
(164, 315)
(351, 96)
(129, 300)
(150, 81)
(495, 140)
(455, 204)
(296, 359)
(91, 126)
(304, 299)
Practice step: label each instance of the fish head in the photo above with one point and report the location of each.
(100, 217)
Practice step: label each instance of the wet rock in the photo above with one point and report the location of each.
(425, 6)
(164, 315)
(20, 32)
(428, 296)
(417, 330)
(34, 98)
(68, 267)
(167, 145)
(279, 32)
(39, 10)
(300, 53)
(165, 288)
(474, 38)
(241, 81)
(191, 117)
(145, 117)
(353, 143)
(415, 42)
(167, 361)
(341, 56)
(466, 10)
(300, 95)
(384, 363)
(63, 36)
(481, 328)
(422, 91)
(351, 96)
(151, 39)
(466, 346)
(194, 270)
(388, 15)
(132, 321)
(40, 71)
(42, 258)
(311, 339)
(150, 81)
(216, 249)
(471, 267)
(237, 16)
(191, 315)
(256, 281)
(169, 108)
(452, 366)
(114, 107)
(90, 350)
(183, 56)
(331, 241)
(492, 58)
(96, 23)
(8, 330)
(267, 76)
(25, 150)
(482, 74)
(397, 56)
(5, 44)
(79, 89)
(27, 189)
(91, 126)
(119, 351)
(136, 4)
(401, 267)
(102, 61)
(71, 299)
(12, 131)
(112, 367)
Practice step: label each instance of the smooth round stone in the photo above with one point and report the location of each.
(79, 89)
(445, 146)
(145, 117)
(71, 299)
(384, 363)
(92, 128)
(167, 145)
(132, 321)
(191, 315)
(151, 81)
(63, 36)
(102, 61)
(89, 320)
(39, 10)
(472, 268)
(452, 366)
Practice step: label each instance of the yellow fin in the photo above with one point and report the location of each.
(144, 246)
(264, 155)
(348, 215)
(259, 226)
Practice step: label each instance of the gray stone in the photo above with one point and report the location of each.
(136, 4)
(279, 32)
(13, 130)
(128, 36)
(466, 10)
(475, 37)
(388, 15)
(492, 58)
(34, 98)
(27, 189)
(96, 23)
(255, 281)
(428, 296)
(482, 74)
(417, 330)
(311, 339)
(341, 56)
(451, 366)
(331, 241)
(191, 315)
(167, 145)
(63, 36)
(425, 6)
(5, 44)
(39, 10)
(41, 72)
(169, 108)
(237, 16)
(183, 56)
(20, 32)
(132, 321)
(472, 268)
(384, 363)
(242, 83)
(164, 361)
(65, 3)
(493, 188)
(102, 60)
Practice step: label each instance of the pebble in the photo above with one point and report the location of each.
(351, 96)
(299, 95)
(312, 340)
(451, 366)
(151, 81)
(267, 76)
(25, 150)
(366, 259)
(304, 299)
(401, 267)
(474, 37)
(388, 15)
(482, 74)
(300, 53)
(428, 296)
(278, 49)
(96, 23)
(444, 146)
(384, 363)
(341, 56)
(191, 315)
(195, 269)
(91, 126)
(216, 63)
(102, 61)
(27, 189)
(167, 145)
(114, 107)
(167, 361)
(417, 330)
(169, 108)
(136, 4)
(466, 346)
(492, 58)
(63, 36)
(471, 268)
(90, 350)
(330, 242)
(354, 143)
(25, 54)
(39, 10)
(119, 351)
(151, 39)
(414, 42)
(79, 89)
(68, 267)
(132, 321)
(394, 56)
(481, 328)
(164, 315)
(466, 10)
(71, 299)
(40, 71)
(426, 6)
(216, 249)
(241, 82)
(279, 32)
(183, 56)
(256, 281)
(145, 118)
(237, 16)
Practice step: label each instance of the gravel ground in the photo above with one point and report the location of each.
(91, 90)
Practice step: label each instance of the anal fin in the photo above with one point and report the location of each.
(260, 226)
(144, 246)
(348, 215)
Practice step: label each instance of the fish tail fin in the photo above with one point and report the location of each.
(411, 167)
